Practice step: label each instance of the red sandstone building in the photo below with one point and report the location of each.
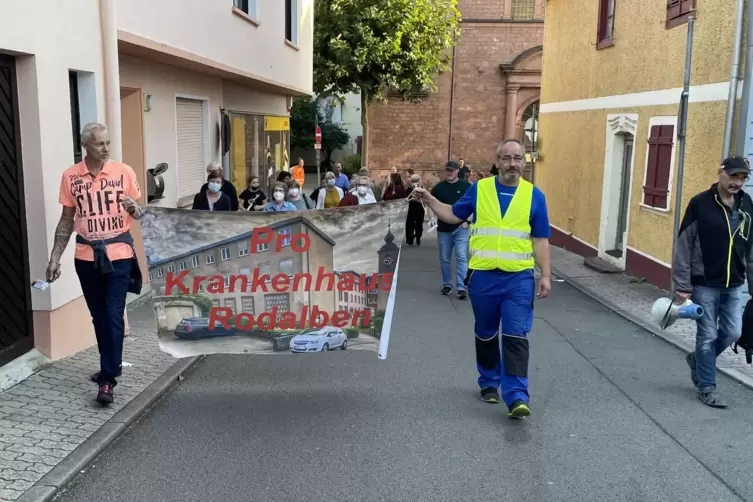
(489, 95)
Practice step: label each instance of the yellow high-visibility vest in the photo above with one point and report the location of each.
(502, 243)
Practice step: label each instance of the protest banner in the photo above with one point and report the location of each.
(274, 282)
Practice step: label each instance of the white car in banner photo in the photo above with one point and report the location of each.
(319, 340)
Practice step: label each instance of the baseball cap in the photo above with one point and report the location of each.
(451, 166)
(736, 165)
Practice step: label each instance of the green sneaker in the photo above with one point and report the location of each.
(519, 409)
(490, 395)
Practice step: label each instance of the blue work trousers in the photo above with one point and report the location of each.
(503, 300)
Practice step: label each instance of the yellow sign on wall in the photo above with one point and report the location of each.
(276, 123)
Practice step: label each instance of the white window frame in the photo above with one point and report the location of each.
(288, 232)
(195, 261)
(292, 266)
(243, 248)
(183, 266)
(261, 247)
(210, 259)
(226, 277)
(661, 121)
(171, 268)
(160, 272)
(225, 253)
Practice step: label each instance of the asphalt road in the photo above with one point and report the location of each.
(615, 418)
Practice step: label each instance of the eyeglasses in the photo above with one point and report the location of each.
(507, 158)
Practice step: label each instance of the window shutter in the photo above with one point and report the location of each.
(673, 8)
(686, 6)
(659, 166)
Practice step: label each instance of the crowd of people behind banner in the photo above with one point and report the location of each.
(335, 189)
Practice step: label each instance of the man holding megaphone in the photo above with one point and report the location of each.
(712, 257)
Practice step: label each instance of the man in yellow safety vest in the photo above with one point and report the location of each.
(510, 228)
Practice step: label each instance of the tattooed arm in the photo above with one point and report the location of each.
(63, 234)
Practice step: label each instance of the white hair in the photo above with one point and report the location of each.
(88, 129)
(214, 166)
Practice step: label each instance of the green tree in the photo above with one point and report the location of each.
(376, 46)
(303, 120)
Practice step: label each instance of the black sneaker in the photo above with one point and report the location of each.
(95, 376)
(418, 241)
(446, 290)
(690, 359)
(105, 395)
(409, 243)
(490, 395)
(519, 409)
(462, 294)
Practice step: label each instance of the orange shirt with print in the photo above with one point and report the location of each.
(99, 213)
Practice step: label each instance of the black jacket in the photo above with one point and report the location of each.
(714, 244)
(201, 202)
(229, 190)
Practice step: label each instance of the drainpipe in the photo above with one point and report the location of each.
(734, 79)
(744, 130)
(682, 122)
(452, 103)
(112, 76)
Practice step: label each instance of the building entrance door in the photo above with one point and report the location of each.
(15, 286)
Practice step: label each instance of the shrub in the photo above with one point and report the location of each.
(351, 332)
(351, 165)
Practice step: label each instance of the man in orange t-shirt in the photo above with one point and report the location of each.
(98, 197)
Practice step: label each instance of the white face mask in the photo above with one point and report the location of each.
(331, 183)
(214, 187)
(279, 196)
(294, 192)
(362, 190)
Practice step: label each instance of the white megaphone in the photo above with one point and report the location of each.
(665, 312)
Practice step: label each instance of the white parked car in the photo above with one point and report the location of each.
(319, 340)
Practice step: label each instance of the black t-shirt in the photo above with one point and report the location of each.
(255, 197)
(449, 193)
(463, 172)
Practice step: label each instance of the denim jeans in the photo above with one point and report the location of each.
(457, 240)
(719, 328)
(105, 295)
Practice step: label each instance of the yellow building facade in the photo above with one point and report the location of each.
(608, 147)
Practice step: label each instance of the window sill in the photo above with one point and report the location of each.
(656, 210)
(680, 20)
(245, 16)
(292, 45)
(605, 44)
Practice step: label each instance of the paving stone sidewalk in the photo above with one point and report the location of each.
(45, 417)
(633, 299)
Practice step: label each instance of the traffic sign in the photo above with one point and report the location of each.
(317, 146)
(318, 135)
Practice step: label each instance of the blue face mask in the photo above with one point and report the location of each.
(215, 187)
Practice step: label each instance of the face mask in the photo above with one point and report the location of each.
(331, 183)
(254, 186)
(362, 190)
(279, 196)
(294, 192)
(214, 187)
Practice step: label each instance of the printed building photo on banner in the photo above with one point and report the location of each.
(274, 283)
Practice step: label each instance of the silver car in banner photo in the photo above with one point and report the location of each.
(319, 340)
